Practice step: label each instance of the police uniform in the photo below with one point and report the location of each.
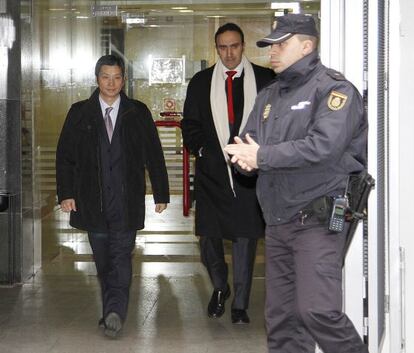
(312, 131)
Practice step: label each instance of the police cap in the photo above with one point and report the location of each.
(288, 25)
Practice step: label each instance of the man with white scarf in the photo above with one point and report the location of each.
(219, 100)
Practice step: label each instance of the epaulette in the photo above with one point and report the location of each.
(336, 75)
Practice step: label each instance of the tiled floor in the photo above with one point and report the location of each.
(58, 310)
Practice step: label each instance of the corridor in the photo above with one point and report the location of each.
(58, 309)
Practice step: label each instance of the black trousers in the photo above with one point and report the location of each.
(243, 257)
(112, 253)
(304, 290)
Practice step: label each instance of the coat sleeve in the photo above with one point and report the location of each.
(251, 129)
(155, 162)
(329, 135)
(66, 158)
(191, 125)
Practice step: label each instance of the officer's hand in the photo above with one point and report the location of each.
(244, 153)
(159, 207)
(68, 205)
(243, 165)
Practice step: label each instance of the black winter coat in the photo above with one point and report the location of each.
(78, 164)
(218, 212)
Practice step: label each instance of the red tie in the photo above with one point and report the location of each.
(229, 82)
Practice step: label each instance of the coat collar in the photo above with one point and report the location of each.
(298, 73)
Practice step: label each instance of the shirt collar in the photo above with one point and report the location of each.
(104, 105)
(115, 106)
(239, 70)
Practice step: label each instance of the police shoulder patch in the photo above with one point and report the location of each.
(336, 75)
(336, 100)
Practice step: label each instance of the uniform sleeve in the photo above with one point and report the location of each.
(331, 130)
(253, 121)
(155, 162)
(191, 124)
(66, 158)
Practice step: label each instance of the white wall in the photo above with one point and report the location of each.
(341, 48)
(402, 58)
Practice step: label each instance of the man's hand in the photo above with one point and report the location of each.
(159, 207)
(244, 153)
(68, 205)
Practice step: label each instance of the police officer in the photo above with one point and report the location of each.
(307, 132)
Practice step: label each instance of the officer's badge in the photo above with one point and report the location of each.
(266, 111)
(336, 100)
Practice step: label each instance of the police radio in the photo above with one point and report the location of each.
(337, 219)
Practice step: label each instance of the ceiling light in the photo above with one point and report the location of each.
(135, 20)
(294, 6)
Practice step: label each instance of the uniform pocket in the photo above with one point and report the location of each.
(329, 269)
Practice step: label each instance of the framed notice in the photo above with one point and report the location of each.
(167, 70)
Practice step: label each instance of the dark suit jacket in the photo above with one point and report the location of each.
(218, 212)
(79, 166)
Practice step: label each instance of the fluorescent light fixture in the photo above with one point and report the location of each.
(135, 20)
(179, 8)
(186, 11)
(280, 6)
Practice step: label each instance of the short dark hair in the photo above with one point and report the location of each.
(110, 60)
(313, 39)
(229, 27)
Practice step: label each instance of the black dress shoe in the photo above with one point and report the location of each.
(113, 325)
(101, 323)
(216, 305)
(239, 316)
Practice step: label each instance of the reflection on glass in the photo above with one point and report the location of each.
(69, 54)
(7, 37)
(7, 32)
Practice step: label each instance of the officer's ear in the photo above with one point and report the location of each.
(307, 47)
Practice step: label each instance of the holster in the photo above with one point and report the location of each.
(319, 208)
(359, 188)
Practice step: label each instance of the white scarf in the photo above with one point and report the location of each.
(218, 102)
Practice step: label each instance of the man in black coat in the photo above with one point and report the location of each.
(219, 100)
(105, 145)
